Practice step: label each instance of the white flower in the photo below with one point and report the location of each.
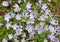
(19, 1)
(10, 36)
(15, 5)
(37, 27)
(19, 31)
(51, 28)
(45, 40)
(46, 27)
(18, 17)
(55, 40)
(4, 40)
(1, 24)
(40, 30)
(40, 1)
(8, 25)
(49, 0)
(24, 35)
(29, 28)
(51, 37)
(48, 12)
(30, 22)
(16, 27)
(32, 16)
(43, 17)
(9, 16)
(15, 36)
(44, 7)
(58, 30)
(23, 40)
(26, 15)
(42, 24)
(31, 35)
(54, 21)
(5, 3)
(17, 8)
(15, 40)
(28, 6)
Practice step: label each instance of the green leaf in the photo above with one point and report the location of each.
(14, 1)
(55, 1)
(45, 1)
(25, 19)
(11, 31)
(37, 21)
(58, 36)
(47, 20)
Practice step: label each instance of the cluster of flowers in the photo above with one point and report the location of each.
(32, 15)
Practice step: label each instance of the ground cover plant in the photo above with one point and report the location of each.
(29, 20)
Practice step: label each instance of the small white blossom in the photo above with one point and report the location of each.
(5, 3)
(28, 6)
(51, 28)
(42, 24)
(32, 16)
(19, 31)
(40, 31)
(54, 21)
(23, 40)
(16, 27)
(49, 0)
(15, 40)
(17, 8)
(30, 22)
(37, 27)
(44, 7)
(19, 1)
(45, 40)
(9, 16)
(8, 25)
(51, 36)
(31, 35)
(40, 2)
(55, 40)
(48, 12)
(46, 27)
(30, 28)
(10, 36)
(24, 35)
(12, 14)
(57, 29)
(4, 40)
(26, 15)
(43, 17)
(1, 24)
(18, 17)
(15, 5)
(15, 36)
